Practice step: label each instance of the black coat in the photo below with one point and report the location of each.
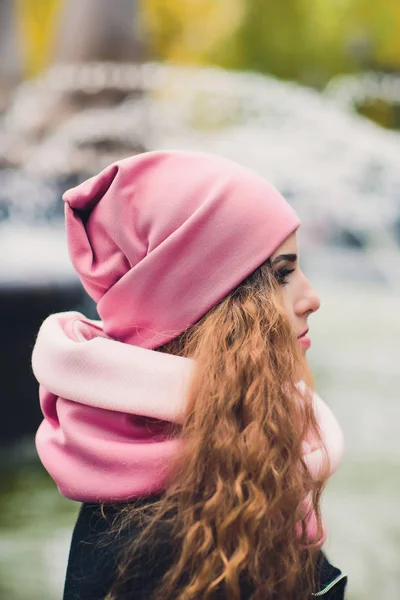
(93, 557)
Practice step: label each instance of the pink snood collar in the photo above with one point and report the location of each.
(106, 404)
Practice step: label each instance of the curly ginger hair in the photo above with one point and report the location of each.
(234, 505)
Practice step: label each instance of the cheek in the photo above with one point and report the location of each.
(288, 302)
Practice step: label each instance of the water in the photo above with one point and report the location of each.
(343, 176)
(340, 172)
(338, 169)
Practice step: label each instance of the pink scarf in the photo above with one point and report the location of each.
(106, 405)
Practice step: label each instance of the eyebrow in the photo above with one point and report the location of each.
(285, 257)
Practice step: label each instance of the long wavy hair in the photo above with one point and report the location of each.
(234, 506)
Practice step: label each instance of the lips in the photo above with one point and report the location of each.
(304, 340)
(302, 334)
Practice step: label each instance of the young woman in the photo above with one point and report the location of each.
(185, 419)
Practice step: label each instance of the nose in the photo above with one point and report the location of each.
(308, 301)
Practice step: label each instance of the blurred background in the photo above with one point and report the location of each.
(307, 92)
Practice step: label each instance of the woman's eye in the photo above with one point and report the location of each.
(281, 275)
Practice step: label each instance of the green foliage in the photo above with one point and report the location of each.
(271, 37)
(379, 22)
(305, 40)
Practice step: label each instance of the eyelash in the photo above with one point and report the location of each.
(281, 274)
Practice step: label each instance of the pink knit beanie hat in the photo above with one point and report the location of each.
(160, 238)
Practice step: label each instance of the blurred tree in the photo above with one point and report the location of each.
(296, 39)
(74, 30)
(306, 40)
(272, 37)
(189, 32)
(97, 30)
(10, 52)
(36, 30)
(379, 22)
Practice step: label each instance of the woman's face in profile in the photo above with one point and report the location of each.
(299, 297)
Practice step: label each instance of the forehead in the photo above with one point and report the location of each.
(288, 246)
